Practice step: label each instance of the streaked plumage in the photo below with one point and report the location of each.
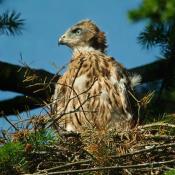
(99, 97)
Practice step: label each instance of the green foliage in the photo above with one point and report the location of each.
(11, 23)
(154, 10)
(11, 157)
(15, 154)
(40, 139)
(171, 172)
(160, 15)
(159, 31)
(153, 35)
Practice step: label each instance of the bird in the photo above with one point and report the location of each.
(94, 90)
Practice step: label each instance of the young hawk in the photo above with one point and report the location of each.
(93, 92)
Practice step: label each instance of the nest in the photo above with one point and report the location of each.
(146, 149)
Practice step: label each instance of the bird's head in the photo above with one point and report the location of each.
(84, 34)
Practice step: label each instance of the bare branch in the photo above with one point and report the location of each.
(17, 105)
(153, 164)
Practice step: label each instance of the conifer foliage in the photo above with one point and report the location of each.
(11, 23)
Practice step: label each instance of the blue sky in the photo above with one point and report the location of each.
(47, 20)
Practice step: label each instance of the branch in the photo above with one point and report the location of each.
(39, 84)
(113, 157)
(68, 165)
(152, 164)
(163, 146)
(34, 84)
(157, 124)
(19, 79)
(17, 105)
(13, 76)
(152, 71)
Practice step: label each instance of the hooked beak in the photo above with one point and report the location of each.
(61, 40)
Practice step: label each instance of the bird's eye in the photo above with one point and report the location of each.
(77, 31)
